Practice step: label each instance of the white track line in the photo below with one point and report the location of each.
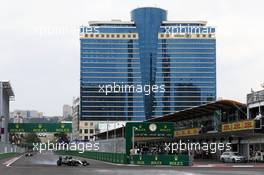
(115, 163)
(11, 161)
(203, 166)
(243, 166)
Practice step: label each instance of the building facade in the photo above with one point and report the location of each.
(222, 121)
(145, 68)
(66, 112)
(26, 114)
(255, 104)
(6, 93)
(75, 118)
(87, 129)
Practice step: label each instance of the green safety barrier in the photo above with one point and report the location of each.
(7, 155)
(173, 160)
(119, 158)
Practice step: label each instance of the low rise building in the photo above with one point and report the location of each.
(222, 121)
(87, 129)
(26, 114)
(255, 104)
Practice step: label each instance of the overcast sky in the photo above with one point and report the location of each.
(40, 45)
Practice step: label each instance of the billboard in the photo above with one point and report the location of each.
(148, 129)
(238, 126)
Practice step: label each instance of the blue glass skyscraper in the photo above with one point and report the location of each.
(148, 50)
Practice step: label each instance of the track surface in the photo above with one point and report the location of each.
(45, 164)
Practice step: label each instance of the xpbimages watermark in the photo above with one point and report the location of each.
(189, 29)
(80, 147)
(124, 88)
(191, 146)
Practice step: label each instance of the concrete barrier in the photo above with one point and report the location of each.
(9, 148)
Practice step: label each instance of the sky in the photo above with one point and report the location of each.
(39, 44)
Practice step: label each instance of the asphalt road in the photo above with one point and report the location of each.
(45, 164)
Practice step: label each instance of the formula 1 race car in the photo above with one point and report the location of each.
(71, 161)
(29, 154)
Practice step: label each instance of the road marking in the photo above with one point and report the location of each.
(243, 166)
(224, 165)
(118, 164)
(203, 166)
(11, 161)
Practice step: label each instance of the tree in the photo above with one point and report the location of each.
(61, 137)
(29, 139)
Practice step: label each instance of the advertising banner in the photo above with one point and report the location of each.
(40, 127)
(238, 126)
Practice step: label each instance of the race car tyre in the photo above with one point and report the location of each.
(59, 163)
(84, 163)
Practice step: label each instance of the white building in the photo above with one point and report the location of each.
(26, 114)
(66, 111)
(75, 118)
(82, 130)
(87, 129)
(255, 104)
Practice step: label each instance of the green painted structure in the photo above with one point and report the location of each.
(140, 129)
(40, 127)
(118, 158)
(7, 155)
(173, 160)
(147, 129)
